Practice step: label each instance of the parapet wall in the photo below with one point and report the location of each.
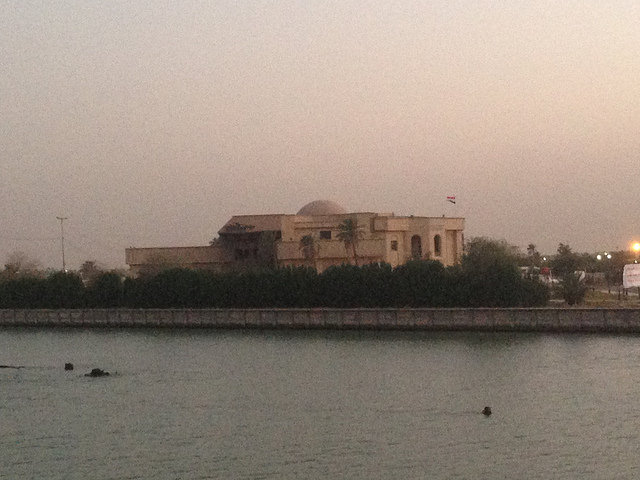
(480, 319)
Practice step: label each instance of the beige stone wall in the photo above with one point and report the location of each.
(480, 319)
(391, 224)
(205, 257)
(379, 233)
(331, 252)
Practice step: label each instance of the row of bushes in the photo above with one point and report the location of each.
(415, 284)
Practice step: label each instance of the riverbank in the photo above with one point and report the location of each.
(615, 320)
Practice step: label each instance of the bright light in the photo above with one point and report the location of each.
(636, 247)
(598, 257)
(609, 256)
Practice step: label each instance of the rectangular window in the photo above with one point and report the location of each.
(394, 245)
(325, 234)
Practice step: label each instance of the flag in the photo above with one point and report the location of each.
(451, 199)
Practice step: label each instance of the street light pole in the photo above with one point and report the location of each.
(62, 219)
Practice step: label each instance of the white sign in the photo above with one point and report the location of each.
(631, 275)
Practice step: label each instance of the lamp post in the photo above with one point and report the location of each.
(62, 219)
(606, 257)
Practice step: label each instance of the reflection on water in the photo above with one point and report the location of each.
(233, 404)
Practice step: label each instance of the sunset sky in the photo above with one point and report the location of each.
(150, 123)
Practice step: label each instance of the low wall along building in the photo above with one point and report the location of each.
(311, 237)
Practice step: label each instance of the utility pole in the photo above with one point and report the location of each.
(62, 219)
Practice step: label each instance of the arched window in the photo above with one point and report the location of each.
(416, 247)
(437, 245)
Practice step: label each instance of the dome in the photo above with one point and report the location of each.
(322, 207)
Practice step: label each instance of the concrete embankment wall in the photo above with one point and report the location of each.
(480, 319)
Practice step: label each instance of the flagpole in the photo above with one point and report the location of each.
(452, 199)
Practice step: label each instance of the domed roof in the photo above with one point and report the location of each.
(322, 207)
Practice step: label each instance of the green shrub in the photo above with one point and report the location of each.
(487, 277)
(573, 289)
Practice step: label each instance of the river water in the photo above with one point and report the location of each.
(189, 404)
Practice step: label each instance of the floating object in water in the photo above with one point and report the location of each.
(11, 366)
(486, 411)
(68, 366)
(97, 372)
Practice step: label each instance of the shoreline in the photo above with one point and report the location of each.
(545, 319)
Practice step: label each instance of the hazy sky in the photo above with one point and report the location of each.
(150, 123)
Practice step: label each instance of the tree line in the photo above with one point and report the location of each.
(488, 276)
(578, 271)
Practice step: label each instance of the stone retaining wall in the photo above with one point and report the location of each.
(480, 319)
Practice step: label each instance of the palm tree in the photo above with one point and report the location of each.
(350, 233)
(310, 248)
(534, 257)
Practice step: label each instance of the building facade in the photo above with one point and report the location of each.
(311, 237)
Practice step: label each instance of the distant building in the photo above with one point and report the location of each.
(276, 240)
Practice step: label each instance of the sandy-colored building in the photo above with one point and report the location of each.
(277, 240)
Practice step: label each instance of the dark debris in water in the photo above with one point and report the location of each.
(97, 372)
